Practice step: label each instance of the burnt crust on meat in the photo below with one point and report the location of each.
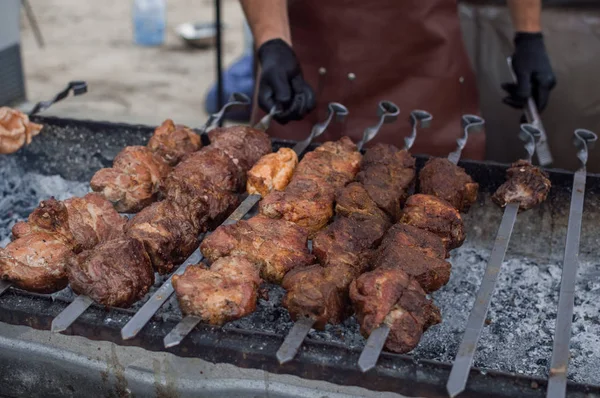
(526, 184)
(442, 178)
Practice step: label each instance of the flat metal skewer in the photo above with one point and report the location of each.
(464, 358)
(4, 285)
(145, 313)
(388, 112)
(81, 302)
(471, 124)
(557, 382)
(533, 117)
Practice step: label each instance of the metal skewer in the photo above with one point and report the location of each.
(557, 382)
(464, 358)
(81, 303)
(145, 313)
(471, 124)
(533, 117)
(77, 87)
(388, 112)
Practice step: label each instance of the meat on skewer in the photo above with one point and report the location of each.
(442, 178)
(173, 142)
(272, 172)
(226, 291)
(16, 130)
(526, 184)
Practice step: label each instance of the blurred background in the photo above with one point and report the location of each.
(95, 41)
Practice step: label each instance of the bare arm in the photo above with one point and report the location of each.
(268, 19)
(526, 15)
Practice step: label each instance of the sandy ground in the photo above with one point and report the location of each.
(93, 41)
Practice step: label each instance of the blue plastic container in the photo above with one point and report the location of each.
(149, 20)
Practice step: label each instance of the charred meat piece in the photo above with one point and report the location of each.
(526, 184)
(275, 246)
(442, 178)
(244, 145)
(435, 215)
(390, 296)
(308, 198)
(134, 180)
(429, 244)
(16, 130)
(354, 200)
(387, 174)
(272, 172)
(318, 293)
(431, 272)
(36, 259)
(116, 273)
(168, 234)
(174, 141)
(93, 220)
(226, 291)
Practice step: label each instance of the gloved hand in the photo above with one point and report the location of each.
(281, 82)
(533, 70)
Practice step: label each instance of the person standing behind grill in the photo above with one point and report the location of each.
(358, 52)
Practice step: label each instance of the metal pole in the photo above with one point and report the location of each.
(219, 56)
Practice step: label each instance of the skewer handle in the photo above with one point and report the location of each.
(294, 339)
(265, 122)
(388, 112)
(236, 100)
(471, 124)
(77, 87)
(418, 118)
(334, 109)
(71, 313)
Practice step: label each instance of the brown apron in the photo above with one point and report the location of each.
(409, 52)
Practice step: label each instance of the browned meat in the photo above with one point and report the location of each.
(168, 234)
(116, 273)
(93, 220)
(447, 181)
(429, 244)
(526, 184)
(435, 215)
(36, 259)
(16, 130)
(272, 172)
(134, 180)
(308, 198)
(390, 296)
(387, 174)
(244, 145)
(318, 293)
(432, 273)
(276, 246)
(226, 291)
(174, 141)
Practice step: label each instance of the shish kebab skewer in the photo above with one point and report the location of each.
(377, 338)
(81, 303)
(304, 324)
(145, 313)
(526, 187)
(388, 112)
(557, 382)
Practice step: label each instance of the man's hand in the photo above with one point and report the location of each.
(533, 71)
(281, 82)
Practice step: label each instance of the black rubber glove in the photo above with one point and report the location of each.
(282, 84)
(533, 70)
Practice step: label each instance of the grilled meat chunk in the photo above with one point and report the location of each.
(36, 259)
(526, 184)
(435, 215)
(308, 198)
(403, 235)
(168, 234)
(390, 296)
(275, 246)
(447, 181)
(134, 180)
(93, 220)
(116, 273)
(272, 172)
(174, 141)
(319, 293)
(16, 130)
(226, 291)
(354, 200)
(387, 174)
(244, 145)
